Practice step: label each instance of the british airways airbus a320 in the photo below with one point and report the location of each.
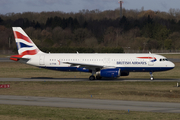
(100, 65)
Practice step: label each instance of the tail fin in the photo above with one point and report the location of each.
(24, 44)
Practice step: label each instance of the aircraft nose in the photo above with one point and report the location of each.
(172, 65)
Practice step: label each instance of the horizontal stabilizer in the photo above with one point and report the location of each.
(18, 57)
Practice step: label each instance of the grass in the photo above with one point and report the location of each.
(138, 91)
(9, 112)
(4, 55)
(19, 70)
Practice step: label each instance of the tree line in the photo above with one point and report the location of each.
(95, 31)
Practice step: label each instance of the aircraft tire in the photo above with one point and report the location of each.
(92, 77)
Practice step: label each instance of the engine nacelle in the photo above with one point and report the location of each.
(109, 73)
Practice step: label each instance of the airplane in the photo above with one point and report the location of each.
(99, 65)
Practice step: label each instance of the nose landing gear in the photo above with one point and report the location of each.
(151, 75)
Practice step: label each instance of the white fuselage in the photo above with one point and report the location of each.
(125, 62)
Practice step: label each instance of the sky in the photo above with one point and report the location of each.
(20, 6)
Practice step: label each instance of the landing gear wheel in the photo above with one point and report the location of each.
(98, 77)
(92, 77)
(152, 78)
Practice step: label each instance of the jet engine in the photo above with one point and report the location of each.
(109, 73)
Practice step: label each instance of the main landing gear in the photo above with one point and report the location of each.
(151, 75)
(92, 77)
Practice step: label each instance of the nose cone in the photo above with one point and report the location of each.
(172, 65)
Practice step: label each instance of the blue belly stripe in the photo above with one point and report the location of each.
(129, 69)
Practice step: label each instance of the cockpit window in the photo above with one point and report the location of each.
(163, 59)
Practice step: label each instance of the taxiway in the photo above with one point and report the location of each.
(84, 79)
(91, 103)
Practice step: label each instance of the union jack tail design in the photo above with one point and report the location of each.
(24, 44)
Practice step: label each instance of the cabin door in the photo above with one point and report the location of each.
(41, 60)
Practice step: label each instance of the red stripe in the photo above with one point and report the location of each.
(147, 57)
(27, 52)
(30, 52)
(18, 35)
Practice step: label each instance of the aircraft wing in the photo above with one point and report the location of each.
(89, 66)
(84, 64)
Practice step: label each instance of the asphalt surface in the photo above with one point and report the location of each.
(5, 59)
(84, 79)
(91, 103)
